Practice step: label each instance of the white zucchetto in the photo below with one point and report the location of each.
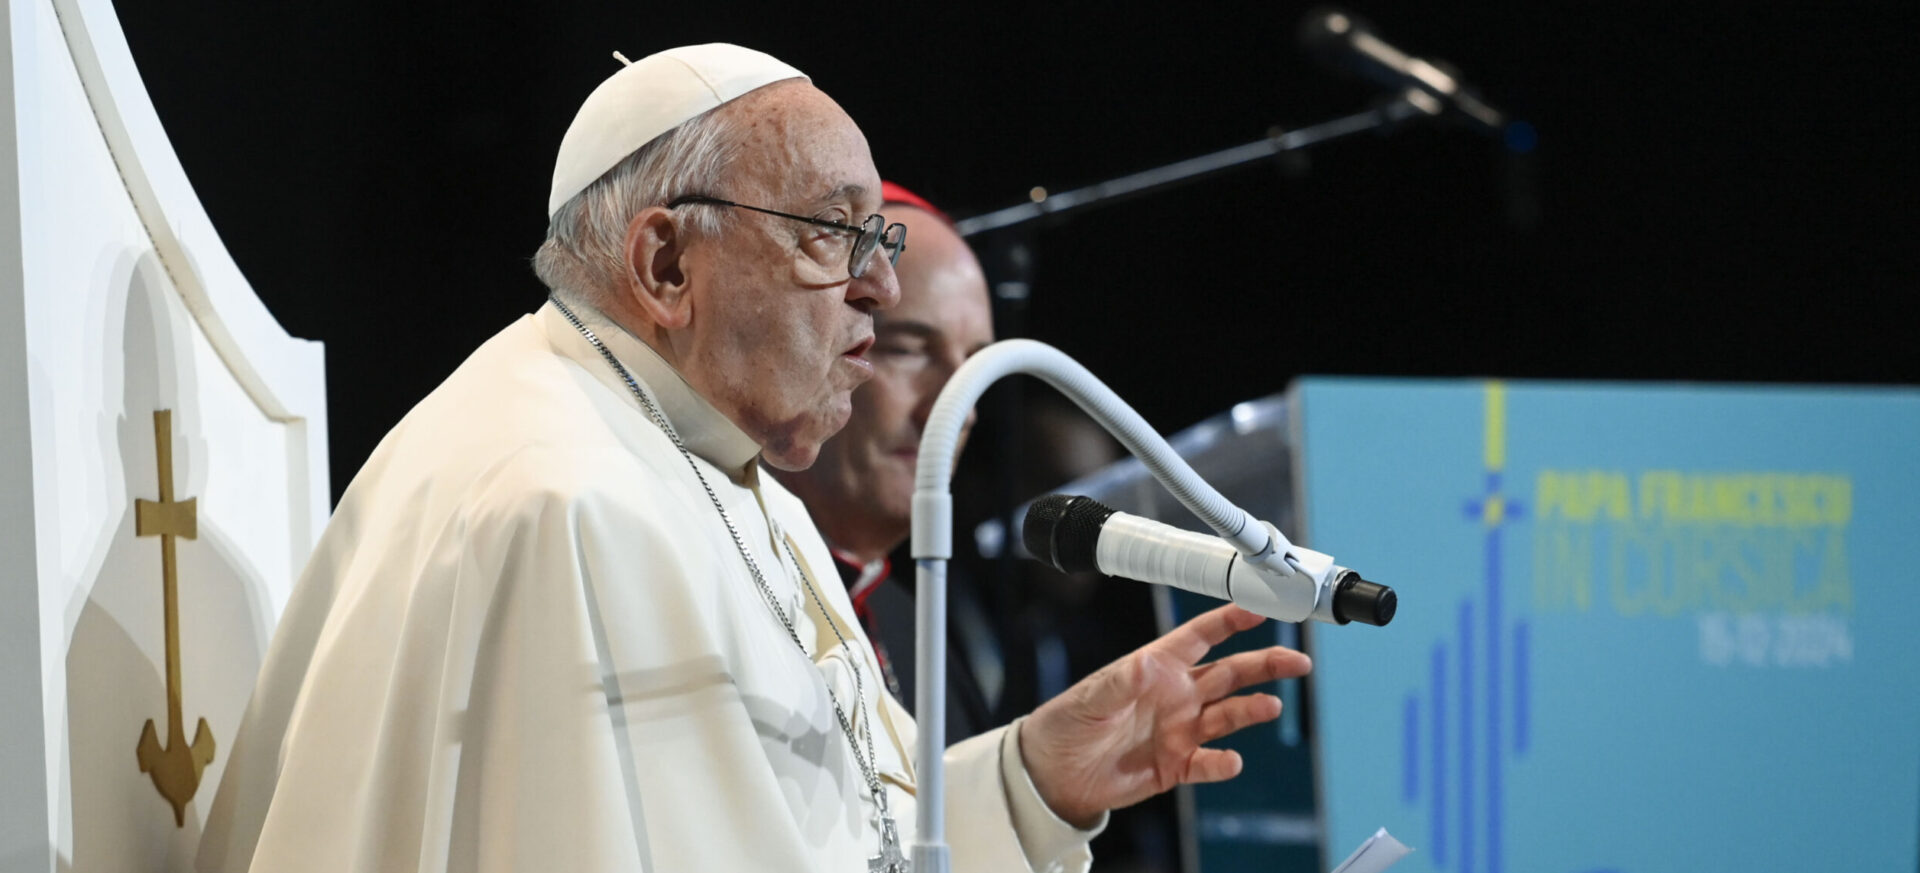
(649, 97)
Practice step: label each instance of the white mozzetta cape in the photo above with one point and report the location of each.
(527, 643)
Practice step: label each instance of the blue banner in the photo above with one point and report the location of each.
(1641, 628)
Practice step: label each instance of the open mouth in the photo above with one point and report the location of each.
(859, 350)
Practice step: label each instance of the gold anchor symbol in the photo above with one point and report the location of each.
(176, 768)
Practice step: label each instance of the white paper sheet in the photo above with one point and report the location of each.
(1379, 852)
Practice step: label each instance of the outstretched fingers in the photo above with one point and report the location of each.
(1212, 765)
(1218, 720)
(1234, 672)
(1191, 641)
(1226, 716)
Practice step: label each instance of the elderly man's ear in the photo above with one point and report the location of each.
(656, 278)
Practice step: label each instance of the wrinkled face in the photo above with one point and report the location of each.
(866, 473)
(779, 333)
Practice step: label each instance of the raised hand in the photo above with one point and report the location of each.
(1139, 726)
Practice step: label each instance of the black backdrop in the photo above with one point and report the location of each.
(1714, 196)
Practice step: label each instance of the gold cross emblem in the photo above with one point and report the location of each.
(176, 767)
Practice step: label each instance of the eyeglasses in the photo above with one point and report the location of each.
(871, 236)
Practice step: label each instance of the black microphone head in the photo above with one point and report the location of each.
(1062, 531)
(1356, 599)
(1037, 530)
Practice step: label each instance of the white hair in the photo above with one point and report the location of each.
(584, 257)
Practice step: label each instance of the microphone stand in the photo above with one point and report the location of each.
(1409, 104)
(933, 538)
(1010, 256)
(933, 474)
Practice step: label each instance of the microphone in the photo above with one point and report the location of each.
(1074, 534)
(1345, 42)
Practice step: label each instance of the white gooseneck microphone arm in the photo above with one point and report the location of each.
(1260, 544)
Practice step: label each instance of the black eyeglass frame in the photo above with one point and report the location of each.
(869, 237)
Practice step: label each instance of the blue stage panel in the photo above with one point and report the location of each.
(1642, 628)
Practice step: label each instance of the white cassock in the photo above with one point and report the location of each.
(528, 643)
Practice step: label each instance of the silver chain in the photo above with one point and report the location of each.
(867, 762)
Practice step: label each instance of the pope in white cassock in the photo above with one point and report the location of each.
(562, 622)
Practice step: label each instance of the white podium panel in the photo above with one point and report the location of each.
(162, 464)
